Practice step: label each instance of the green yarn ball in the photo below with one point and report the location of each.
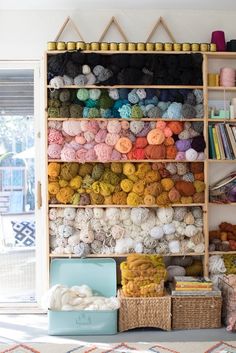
(105, 102)
(54, 103)
(64, 95)
(53, 112)
(136, 112)
(82, 94)
(98, 170)
(93, 113)
(76, 111)
(64, 111)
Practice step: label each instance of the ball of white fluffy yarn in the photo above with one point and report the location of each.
(86, 69)
(179, 213)
(165, 215)
(174, 246)
(197, 212)
(138, 248)
(98, 213)
(139, 215)
(69, 213)
(150, 221)
(157, 232)
(175, 271)
(190, 230)
(65, 231)
(125, 214)
(74, 239)
(112, 213)
(53, 214)
(216, 265)
(169, 228)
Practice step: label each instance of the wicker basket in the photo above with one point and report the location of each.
(144, 312)
(196, 312)
(229, 300)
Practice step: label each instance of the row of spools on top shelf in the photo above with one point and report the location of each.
(131, 46)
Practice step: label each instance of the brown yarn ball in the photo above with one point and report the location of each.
(196, 167)
(185, 188)
(155, 151)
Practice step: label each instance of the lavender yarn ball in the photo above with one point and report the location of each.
(145, 130)
(180, 156)
(183, 145)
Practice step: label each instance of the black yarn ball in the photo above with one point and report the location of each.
(129, 76)
(78, 57)
(120, 60)
(93, 59)
(72, 69)
(198, 143)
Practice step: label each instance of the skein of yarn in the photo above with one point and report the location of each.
(227, 77)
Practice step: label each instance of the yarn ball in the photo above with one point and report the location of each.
(64, 195)
(198, 143)
(171, 152)
(165, 215)
(123, 145)
(176, 127)
(54, 169)
(90, 78)
(136, 126)
(133, 98)
(141, 93)
(157, 232)
(175, 270)
(68, 154)
(196, 167)
(136, 112)
(71, 128)
(183, 145)
(191, 154)
(76, 111)
(199, 185)
(185, 188)
(174, 195)
(125, 111)
(188, 111)
(80, 80)
(154, 112)
(64, 95)
(94, 94)
(174, 246)
(133, 199)
(113, 93)
(155, 137)
(139, 215)
(141, 142)
(174, 110)
(54, 151)
(180, 156)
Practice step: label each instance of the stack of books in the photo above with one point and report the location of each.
(222, 141)
(186, 285)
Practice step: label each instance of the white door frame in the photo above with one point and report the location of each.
(40, 158)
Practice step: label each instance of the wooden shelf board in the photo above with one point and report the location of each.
(222, 252)
(133, 86)
(126, 206)
(222, 55)
(221, 160)
(222, 204)
(124, 119)
(222, 120)
(220, 88)
(122, 255)
(131, 161)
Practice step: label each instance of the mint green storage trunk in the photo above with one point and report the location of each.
(100, 275)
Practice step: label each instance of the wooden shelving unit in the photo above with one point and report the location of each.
(207, 162)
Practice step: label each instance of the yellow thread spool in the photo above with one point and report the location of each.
(131, 46)
(186, 47)
(95, 46)
(122, 46)
(87, 47)
(51, 46)
(159, 46)
(212, 79)
(177, 47)
(212, 46)
(113, 46)
(168, 46)
(217, 80)
(80, 45)
(104, 46)
(149, 46)
(71, 46)
(195, 47)
(140, 46)
(61, 46)
(203, 47)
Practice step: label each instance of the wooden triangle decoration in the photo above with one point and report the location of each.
(67, 20)
(120, 30)
(164, 25)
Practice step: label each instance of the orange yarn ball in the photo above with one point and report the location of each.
(176, 127)
(169, 141)
(171, 152)
(155, 152)
(155, 137)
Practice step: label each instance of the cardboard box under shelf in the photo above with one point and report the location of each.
(98, 274)
(144, 312)
(195, 312)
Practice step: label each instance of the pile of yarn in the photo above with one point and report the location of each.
(87, 141)
(127, 230)
(126, 183)
(185, 266)
(124, 69)
(224, 238)
(126, 103)
(143, 276)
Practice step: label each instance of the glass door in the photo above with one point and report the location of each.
(18, 235)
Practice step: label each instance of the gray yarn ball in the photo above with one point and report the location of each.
(81, 250)
(98, 69)
(199, 111)
(154, 112)
(64, 95)
(188, 111)
(197, 126)
(191, 99)
(68, 81)
(104, 75)
(91, 79)
(80, 80)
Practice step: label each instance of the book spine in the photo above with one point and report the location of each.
(219, 137)
(211, 143)
(229, 143)
(234, 131)
(232, 140)
(216, 144)
(225, 141)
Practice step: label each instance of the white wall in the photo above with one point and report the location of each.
(24, 34)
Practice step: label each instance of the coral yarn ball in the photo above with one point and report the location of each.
(176, 127)
(155, 137)
(123, 145)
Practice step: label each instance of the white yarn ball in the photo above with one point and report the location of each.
(57, 82)
(74, 239)
(191, 154)
(197, 212)
(157, 232)
(53, 214)
(86, 69)
(165, 215)
(138, 248)
(174, 271)
(112, 213)
(98, 213)
(190, 230)
(69, 213)
(71, 128)
(139, 215)
(169, 228)
(65, 231)
(174, 246)
(125, 213)
(199, 248)
(150, 221)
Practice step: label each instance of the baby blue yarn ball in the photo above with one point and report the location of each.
(125, 111)
(85, 112)
(174, 110)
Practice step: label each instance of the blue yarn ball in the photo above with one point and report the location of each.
(124, 93)
(150, 93)
(133, 97)
(115, 113)
(174, 110)
(125, 111)
(85, 112)
(106, 113)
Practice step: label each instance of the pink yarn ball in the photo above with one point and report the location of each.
(168, 132)
(73, 144)
(90, 156)
(68, 154)
(103, 152)
(124, 157)
(180, 156)
(125, 125)
(80, 139)
(89, 145)
(72, 128)
(101, 136)
(114, 127)
(93, 127)
(55, 136)
(54, 151)
(201, 156)
(111, 139)
(89, 136)
(116, 156)
(81, 155)
(161, 125)
(84, 124)
(102, 124)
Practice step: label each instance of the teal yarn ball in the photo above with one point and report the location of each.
(105, 113)
(82, 94)
(125, 111)
(90, 103)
